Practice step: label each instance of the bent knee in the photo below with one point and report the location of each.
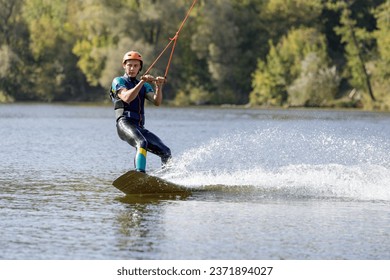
(166, 156)
(167, 152)
(142, 143)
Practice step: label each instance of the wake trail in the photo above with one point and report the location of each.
(317, 163)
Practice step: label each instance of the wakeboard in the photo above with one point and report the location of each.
(134, 182)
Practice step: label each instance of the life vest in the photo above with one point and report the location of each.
(133, 110)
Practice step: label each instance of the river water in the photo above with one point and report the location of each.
(270, 184)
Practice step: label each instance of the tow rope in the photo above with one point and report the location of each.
(174, 41)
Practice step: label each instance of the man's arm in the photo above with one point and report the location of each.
(157, 96)
(128, 95)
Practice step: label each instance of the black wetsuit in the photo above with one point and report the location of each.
(130, 123)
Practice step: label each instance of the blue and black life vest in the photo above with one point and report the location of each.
(133, 110)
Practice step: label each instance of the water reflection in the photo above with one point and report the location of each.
(151, 198)
(140, 224)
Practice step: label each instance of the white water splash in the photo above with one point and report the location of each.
(316, 164)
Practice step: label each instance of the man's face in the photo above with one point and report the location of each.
(132, 67)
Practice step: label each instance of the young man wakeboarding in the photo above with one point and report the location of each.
(128, 95)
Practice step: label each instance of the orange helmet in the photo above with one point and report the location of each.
(132, 55)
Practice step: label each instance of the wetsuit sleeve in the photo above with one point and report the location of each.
(149, 92)
(117, 84)
(148, 88)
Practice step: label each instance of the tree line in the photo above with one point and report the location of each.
(257, 52)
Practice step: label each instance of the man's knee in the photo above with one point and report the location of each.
(142, 143)
(166, 156)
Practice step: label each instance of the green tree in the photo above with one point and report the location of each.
(382, 36)
(282, 15)
(228, 36)
(95, 32)
(317, 84)
(219, 47)
(354, 39)
(269, 80)
(53, 71)
(284, 64)
(230, 51)
(254, 32)
(381, 72)
(14, 52)
(108, 29)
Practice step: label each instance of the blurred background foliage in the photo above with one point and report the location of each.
(254, 52)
